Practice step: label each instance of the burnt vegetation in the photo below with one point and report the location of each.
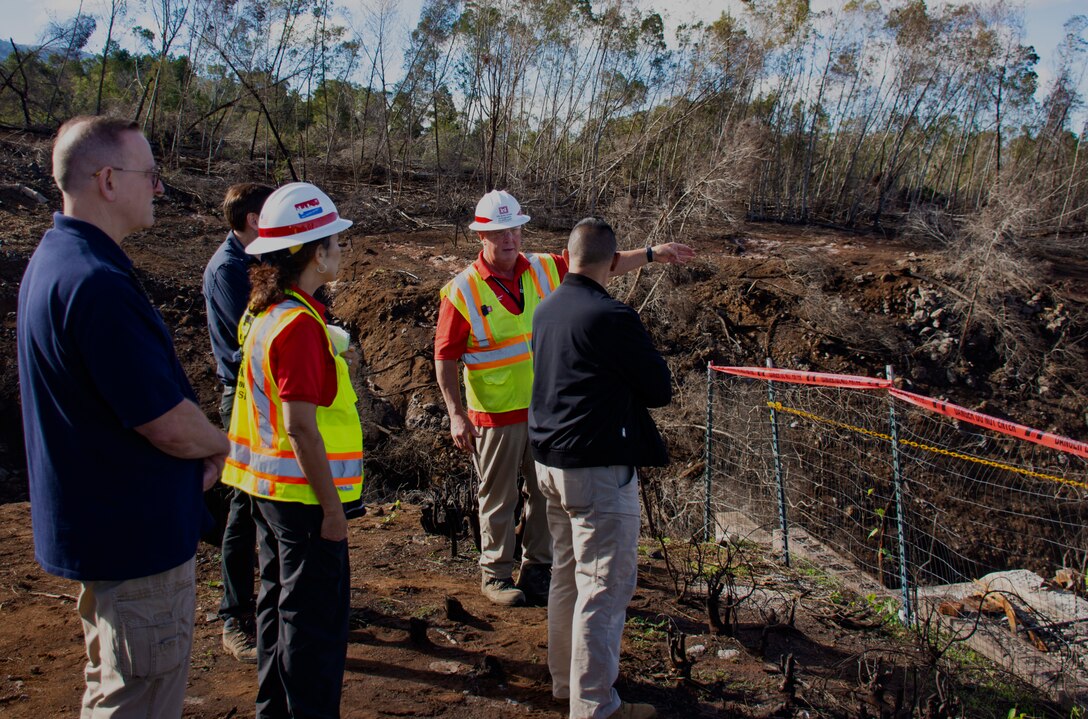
(871, 185)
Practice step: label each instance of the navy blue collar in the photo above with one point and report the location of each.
(234, 243)
(239, 250)
(98, 241)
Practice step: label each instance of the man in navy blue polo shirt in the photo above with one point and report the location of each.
(118, 451)
(226, 294)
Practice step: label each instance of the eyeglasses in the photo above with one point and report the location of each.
(156, 174)
(500, 234)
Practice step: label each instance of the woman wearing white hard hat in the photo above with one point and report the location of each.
(297, 448)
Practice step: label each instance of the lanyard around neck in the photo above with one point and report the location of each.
(519, 298)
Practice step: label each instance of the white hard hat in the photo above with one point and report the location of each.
(294, 215)
(498, 210)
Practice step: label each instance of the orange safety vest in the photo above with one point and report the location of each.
(262, 461)
(498, 359)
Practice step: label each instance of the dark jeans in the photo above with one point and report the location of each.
(238, 557)
(239, 542)
(226, 406)
(302, 613)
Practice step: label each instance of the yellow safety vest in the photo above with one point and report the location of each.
(498, 359)
(262, 462)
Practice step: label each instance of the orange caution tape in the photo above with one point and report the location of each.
(843, 381)
(1046, 439)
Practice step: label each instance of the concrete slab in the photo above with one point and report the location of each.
(738, 526)
(1061, 617)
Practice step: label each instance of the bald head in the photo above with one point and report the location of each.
(592, 244)
(85, 145)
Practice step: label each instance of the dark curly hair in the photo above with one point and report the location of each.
(276, 272)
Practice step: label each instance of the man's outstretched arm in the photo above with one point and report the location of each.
(670, 253)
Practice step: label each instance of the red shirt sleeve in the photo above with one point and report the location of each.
(301, 363)
(561, 265)
(451, 336)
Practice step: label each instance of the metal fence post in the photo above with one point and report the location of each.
(778, 478)
(707, 454)
(907, 615)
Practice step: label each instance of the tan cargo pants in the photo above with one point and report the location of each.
(593, 513)
(139, 635)
(500, 453)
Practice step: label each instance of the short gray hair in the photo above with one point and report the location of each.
(84, 145)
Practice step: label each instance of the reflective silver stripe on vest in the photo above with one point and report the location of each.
(289, 467)
(475, 318)
(518, 349)
(542, 278)
(256, 363)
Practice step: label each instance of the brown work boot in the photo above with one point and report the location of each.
(502, 592)
(242, 645)
(633, 711)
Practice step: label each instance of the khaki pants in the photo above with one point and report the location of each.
(500, 453)
(139, 635)
(593, 514)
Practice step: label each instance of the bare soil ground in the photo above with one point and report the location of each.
(810, 298)
(488, 662)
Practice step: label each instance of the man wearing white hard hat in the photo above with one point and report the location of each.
(296, 447)
(485, 321)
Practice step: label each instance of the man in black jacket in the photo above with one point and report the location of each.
(596, 373)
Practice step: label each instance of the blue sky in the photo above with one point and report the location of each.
(25, 21)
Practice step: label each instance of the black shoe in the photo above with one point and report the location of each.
(534, 581)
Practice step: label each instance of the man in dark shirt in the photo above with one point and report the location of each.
(226, 294)
(484, 320)
(595, 373)
(117, 449)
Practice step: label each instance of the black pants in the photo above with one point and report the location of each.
(302, 613)
(239, 553)
(239, 548)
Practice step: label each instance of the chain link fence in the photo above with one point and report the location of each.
(970, 519)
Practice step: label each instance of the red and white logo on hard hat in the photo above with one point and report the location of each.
(309, 208)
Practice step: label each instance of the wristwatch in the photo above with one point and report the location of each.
(649, 254)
